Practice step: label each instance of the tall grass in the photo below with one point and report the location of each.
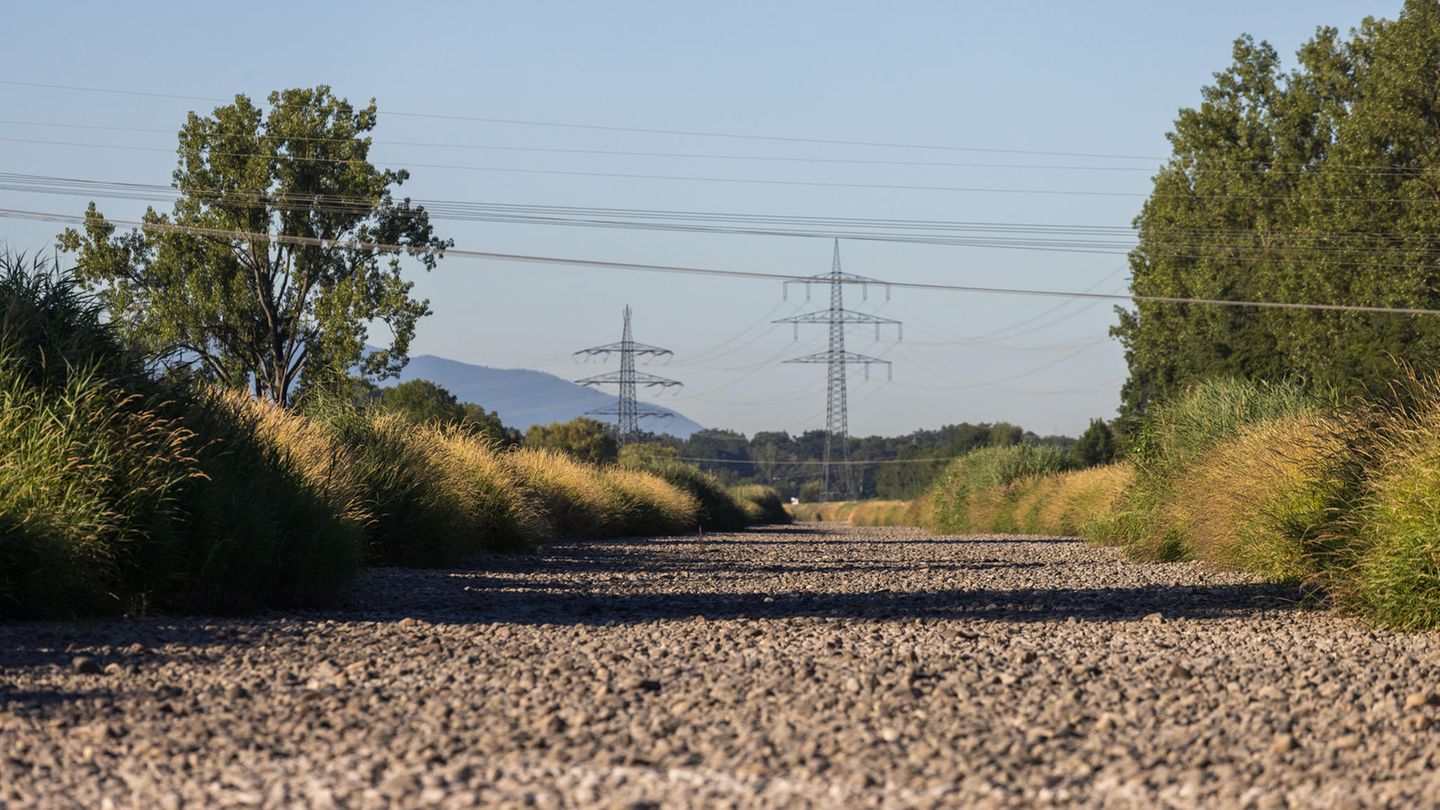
(1386, 546)
(499, 515)
(573, 495)
(972, 493)
(258, 531)
(719, 510)
(648, 504)
(1149, 519)
(120, 493)
(1261, 501)
(91, 483)
(762, 504)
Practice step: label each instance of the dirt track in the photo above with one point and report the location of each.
(827, 667)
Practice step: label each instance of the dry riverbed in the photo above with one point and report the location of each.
(830, 667)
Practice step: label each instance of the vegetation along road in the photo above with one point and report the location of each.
(798, 666)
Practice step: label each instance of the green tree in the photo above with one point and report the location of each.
(425, 401)
(1317, 186)
(284, 244)
(479, 421)
(646, 454)
(581, 437)
(1097, 445)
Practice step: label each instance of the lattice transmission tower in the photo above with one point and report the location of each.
(837, 359)
(627, 410)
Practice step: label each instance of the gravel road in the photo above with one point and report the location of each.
(794, 667)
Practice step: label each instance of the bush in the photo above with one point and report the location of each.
(648, 504)
(1179, 436)
(972, 494)
(418, 516)
(762, 504)
(719, 511)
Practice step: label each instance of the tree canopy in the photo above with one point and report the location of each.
(1321, 185)
(425, 401)
(284, 243)
(582, 437)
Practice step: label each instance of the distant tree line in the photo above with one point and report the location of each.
(778, 459)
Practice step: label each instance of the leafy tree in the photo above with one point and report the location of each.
(1003, 434)
(424, 401)
(648, 454)
(582, 437)
(286, 309)
(1313, 186)
(487, 423)
(1097, 445)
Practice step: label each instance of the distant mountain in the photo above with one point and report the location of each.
(525, 397)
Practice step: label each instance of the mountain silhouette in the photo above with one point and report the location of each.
(524, 397)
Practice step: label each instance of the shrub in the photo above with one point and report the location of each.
(419, 517)
(498, 514)
(971, 493)
(719, 511)
(572, 495)
(762, 504)
(648, 504)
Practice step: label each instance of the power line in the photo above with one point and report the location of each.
(987, 235)
(597, 264)
(851, 462)
(563, 150)
(610, 128)
(1210, 166)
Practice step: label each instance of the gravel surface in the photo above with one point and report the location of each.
(806, 666)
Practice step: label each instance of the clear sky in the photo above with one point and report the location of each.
(1104, 78)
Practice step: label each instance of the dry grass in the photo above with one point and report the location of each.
(647, 504)
(878, 513)
(1081, 497)
(499, 514)
(572, 494)
(761, 504)
(308, 448)
(1259, 502)
(866, 513)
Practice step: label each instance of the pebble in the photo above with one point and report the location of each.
(785, 667)
(85, 665)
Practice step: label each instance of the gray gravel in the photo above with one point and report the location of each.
(830, 667)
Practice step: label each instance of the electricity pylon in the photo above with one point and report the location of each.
(837, 359)
(627, 410)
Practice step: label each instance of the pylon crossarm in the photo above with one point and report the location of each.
(616, 348)
(851, 358)
(842, 316)
(642, 413)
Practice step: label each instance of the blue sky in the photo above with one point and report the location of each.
(1102, 78)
